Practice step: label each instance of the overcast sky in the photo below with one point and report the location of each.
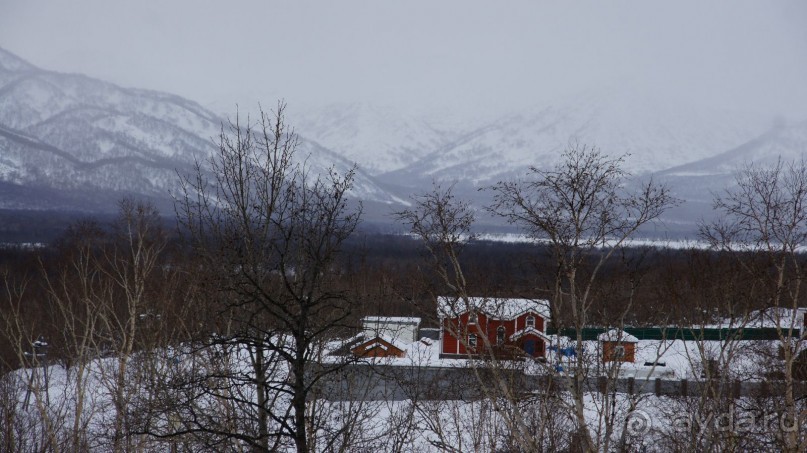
(454, 55)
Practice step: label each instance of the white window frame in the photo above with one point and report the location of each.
(471, 340)
(473, 318)
(618, 352)
(501, 332)
(530, 321)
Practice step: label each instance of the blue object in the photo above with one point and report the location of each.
(565, 352)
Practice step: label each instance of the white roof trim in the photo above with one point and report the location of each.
(374, 341)
(529, 330)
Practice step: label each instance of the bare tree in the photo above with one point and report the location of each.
(128, 264)
(29, 420)
(76, 292)
(268, 234)
(443, 223)
(764, 221)
(63, 317)
(581, 211)
(92, 293)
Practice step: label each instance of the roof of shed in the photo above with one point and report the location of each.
(392, 319)
(617, 335)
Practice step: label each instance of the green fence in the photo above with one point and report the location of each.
(683, 333)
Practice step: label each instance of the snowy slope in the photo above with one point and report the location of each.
(12, 63)
(73, 142)
(69, 141)
(786, 142)
(380, 139)
(698, 181)
(365, 187)
(657, 135)
(80, 143)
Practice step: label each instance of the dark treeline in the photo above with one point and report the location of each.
(388, 275)
(669, 285)
(43, 283)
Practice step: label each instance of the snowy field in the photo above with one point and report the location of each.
(668, 359)
(94, 402)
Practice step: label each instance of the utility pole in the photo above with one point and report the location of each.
(39, 351)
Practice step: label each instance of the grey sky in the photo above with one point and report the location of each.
(460, 55)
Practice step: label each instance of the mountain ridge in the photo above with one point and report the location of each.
(70, 132)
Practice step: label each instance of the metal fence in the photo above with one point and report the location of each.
(685, 333)
(395, 383)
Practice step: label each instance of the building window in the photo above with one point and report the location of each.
(618, 352)
(530, 321)
(472, 340)
(472, 318)
(500, 335)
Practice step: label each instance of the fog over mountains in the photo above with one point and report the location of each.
(72, 142)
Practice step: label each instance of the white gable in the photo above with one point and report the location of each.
(529, 331)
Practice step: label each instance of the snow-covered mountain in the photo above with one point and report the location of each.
(697, 181)
(365, 187)
(380, 139)
(656, 134)
(71, 142)
(78, 143)
(788, 142)
(68, 141)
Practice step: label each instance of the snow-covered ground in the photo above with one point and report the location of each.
(394, 424)
(408, 425)
(520, 238)
(665, 359)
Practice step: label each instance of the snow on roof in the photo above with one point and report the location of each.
(392, 319)
(617, 335)
(449, 307)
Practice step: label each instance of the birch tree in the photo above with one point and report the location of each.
(763, 218)
(581, 210)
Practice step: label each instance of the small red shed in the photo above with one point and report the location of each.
(618, 346)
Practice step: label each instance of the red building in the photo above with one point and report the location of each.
(618, 346)
(495, 326)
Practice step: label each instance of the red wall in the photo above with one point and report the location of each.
(487, 327)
